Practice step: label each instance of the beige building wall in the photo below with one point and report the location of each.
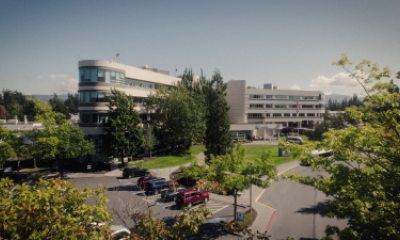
(236, 98)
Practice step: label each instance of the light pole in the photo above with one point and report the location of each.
(251, 185)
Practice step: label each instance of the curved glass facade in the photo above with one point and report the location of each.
(93, 96)
(96, 74)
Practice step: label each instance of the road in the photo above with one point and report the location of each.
(297, 208)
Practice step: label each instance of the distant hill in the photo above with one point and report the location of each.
(46, 98)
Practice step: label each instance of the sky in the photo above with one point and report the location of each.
(291, 44)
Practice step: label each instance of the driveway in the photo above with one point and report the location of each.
(297, 208)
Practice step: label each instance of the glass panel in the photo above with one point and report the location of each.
(100, 75)
(93, 75)
(86, 72)
(108, 76)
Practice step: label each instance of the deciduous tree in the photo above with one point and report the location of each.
(364, 172)
(51, 209)
(123, 126)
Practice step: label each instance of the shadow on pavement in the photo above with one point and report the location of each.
(210, 231)
(320, 208)
(124, 188)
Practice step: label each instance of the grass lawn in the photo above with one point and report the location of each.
(170, 160)
(253, 151)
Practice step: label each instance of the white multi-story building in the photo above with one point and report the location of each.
(98, 77)
(262, 113)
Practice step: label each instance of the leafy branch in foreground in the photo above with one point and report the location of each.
(364, 172)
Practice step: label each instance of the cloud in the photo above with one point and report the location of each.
(64, 83)
(340, 83)
(295, 87)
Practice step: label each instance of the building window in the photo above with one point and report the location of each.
(268, 105)
(301, 115)
(254, 115)
(307, 106)
(277, 114)
(280, 106)
(286, 114)
(310, 114)
(255, 96)
(256, 105)
(281, 97)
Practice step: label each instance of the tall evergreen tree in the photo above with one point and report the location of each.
(123, 131)
(217, 139)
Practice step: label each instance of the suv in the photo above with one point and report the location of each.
(189, 197)
(155, 186)
(134, 172)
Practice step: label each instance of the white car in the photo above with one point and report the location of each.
(119, 232)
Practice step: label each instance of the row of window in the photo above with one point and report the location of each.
(284, 97)
(276, 115)
(93, 118)
(92, 74)
(285, 106)
(98, 96)
(93, 96)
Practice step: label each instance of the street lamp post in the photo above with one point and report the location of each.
(251, 185)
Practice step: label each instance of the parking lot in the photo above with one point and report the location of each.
(126, 198)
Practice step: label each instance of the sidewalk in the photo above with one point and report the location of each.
(265, 213)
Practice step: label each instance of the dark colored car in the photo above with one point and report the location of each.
(134, 172)
(156, 186)
(188, 198)
(169, 196)
(143, 181)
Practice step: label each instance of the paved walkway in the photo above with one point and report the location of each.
(265, 213)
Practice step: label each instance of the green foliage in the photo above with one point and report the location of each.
(58, 106)
(15, 104)
(364, 172)
(6, 152)
(217, 138)
(330, 121)
(186, 224)
(72, 103)
(50, 210)
(71, 142)
(175, 120)
(45, 115)
(123, 131)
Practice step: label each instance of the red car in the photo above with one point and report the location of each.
(144, 181)
(189, 197)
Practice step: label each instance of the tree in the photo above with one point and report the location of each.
(123, 131)
(233, 172)
(6, 152)
(364, 172)
(174, 118)
(330, 121)
(186, 223)
(71, 103)
(217, 138)
(44, 148)
(51, 209)
(58, 106)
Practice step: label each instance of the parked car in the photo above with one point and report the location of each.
(188, 198)
(134, 172)
(295, 139)
(119, 232)
(169, 196)
(143, 181)
(155, 186)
